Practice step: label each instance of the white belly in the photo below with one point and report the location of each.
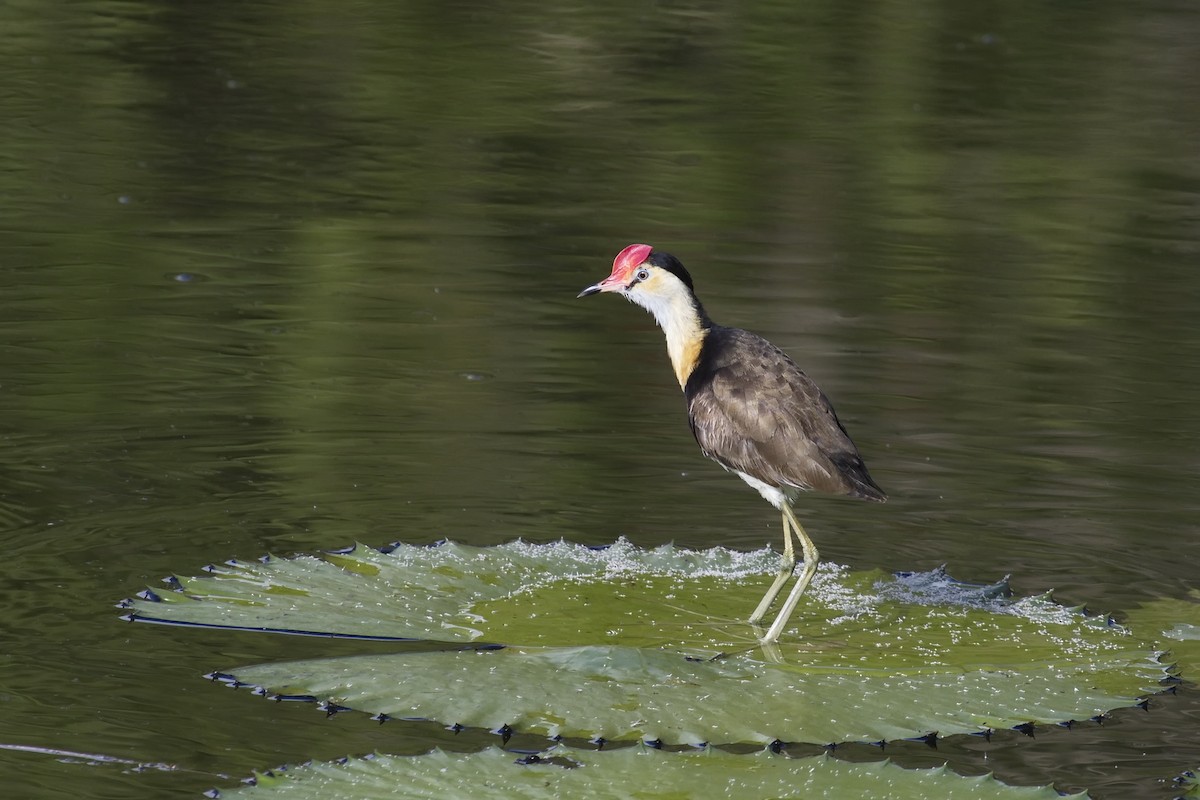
(772, 494)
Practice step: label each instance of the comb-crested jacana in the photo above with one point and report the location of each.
(751, 409)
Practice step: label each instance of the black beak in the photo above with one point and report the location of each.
(593, 289)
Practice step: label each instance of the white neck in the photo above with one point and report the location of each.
(679, 319)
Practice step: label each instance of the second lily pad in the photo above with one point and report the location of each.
(630, 772)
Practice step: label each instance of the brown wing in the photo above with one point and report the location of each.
(753, 410)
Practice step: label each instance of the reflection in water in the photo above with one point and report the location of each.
(978, 234)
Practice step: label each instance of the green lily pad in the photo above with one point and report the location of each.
(628, 643)
(615, 693)
(630, 772)
(431, 593)
(1177, 621)
(1188, 784)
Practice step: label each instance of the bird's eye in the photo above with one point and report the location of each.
(642, 274)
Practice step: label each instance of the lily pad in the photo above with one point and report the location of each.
(431, 593)
(614, 693)
(627, 643)
(1177, 622)
(1188, 784)
(631, 772)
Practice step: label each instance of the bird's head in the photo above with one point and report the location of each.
(647, 277)
(658, 283)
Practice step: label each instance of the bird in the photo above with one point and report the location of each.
(750, 408)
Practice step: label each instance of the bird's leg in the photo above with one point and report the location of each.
(787, 565)
(806, 575)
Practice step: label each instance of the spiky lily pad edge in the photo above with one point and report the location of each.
(1188, 784)
(331, 708)
(757, 774)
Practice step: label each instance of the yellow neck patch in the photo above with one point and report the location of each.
(664, 296)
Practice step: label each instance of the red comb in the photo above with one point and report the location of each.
(630, 257)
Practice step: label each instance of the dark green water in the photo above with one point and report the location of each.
(279, 277)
